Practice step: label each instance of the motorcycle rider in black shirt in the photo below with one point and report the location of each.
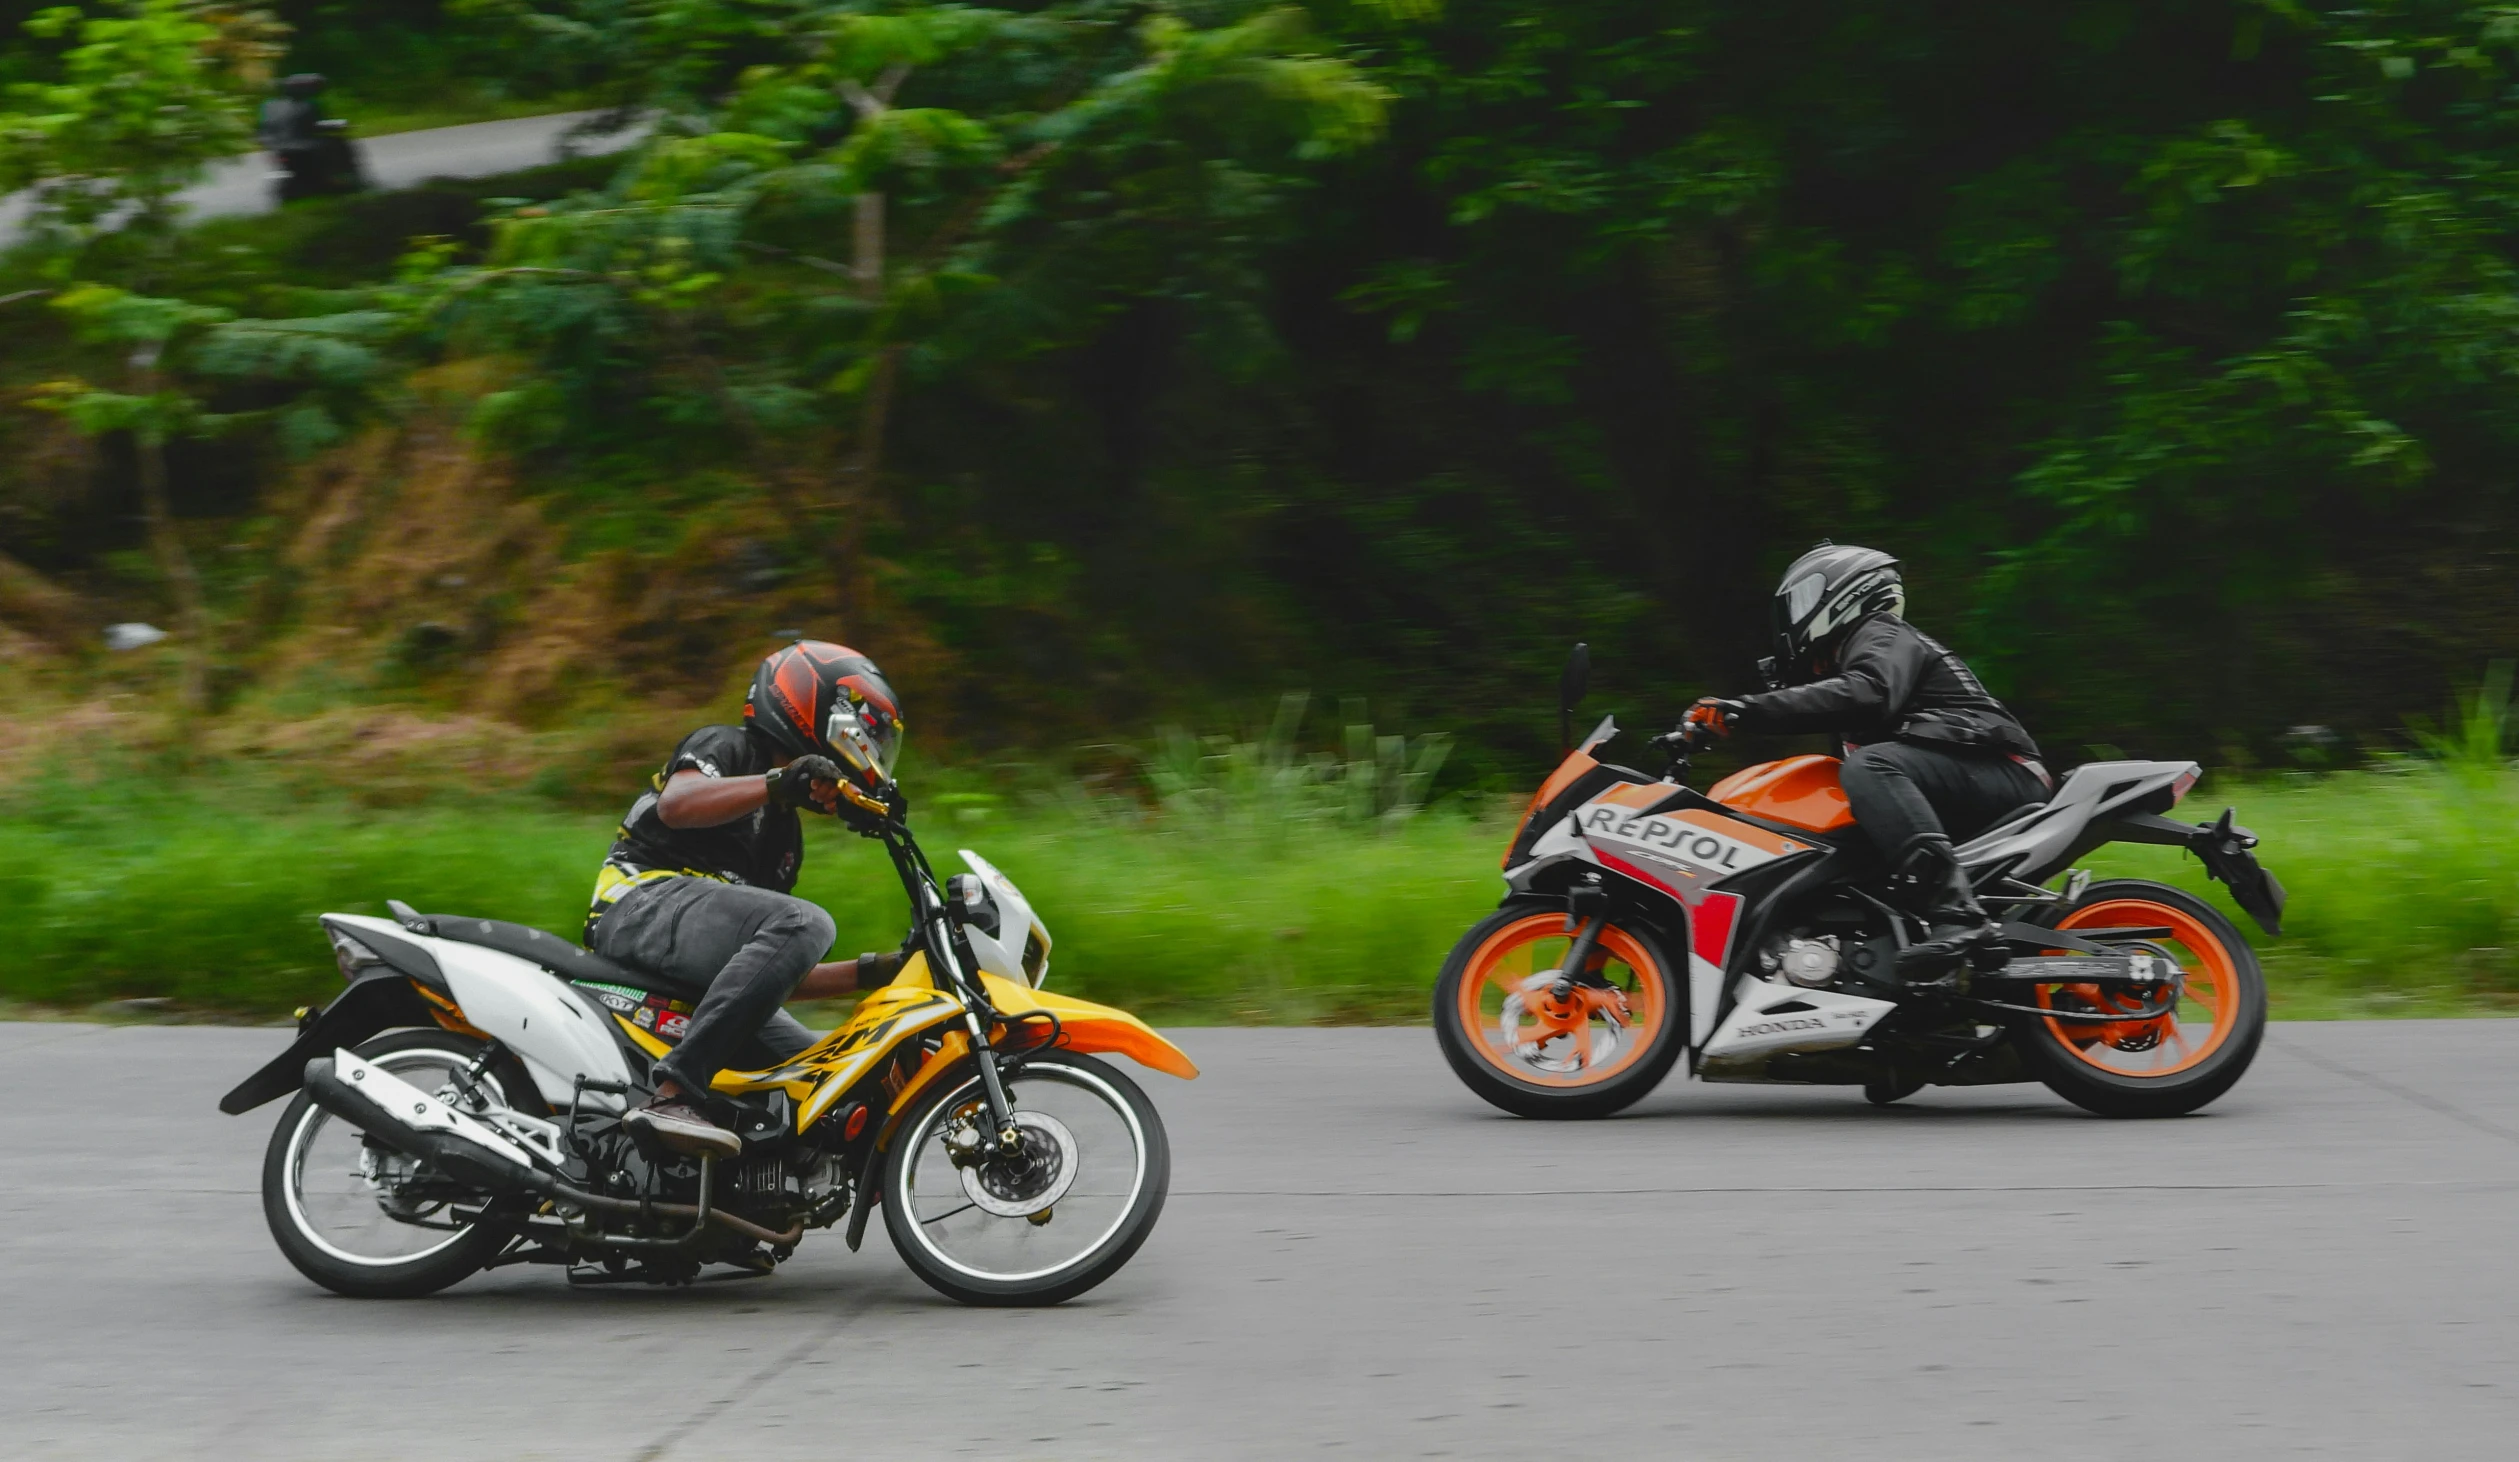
(1929, 755)
(696, 886)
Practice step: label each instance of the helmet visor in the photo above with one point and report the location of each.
(1803, 597)
(866, 737)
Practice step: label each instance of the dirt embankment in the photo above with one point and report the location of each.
(409, 608)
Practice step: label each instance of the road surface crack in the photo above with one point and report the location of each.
(2427, 1102)
(743, 1391)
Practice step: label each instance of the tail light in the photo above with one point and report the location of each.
(350, 955)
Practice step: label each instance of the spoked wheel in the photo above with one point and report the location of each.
(1038, 1225)
(364, 1220)
(1529, 1037)
(2147, 1065)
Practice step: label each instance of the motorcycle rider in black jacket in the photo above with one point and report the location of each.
(1929, 755)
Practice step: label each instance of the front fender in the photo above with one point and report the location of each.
(1085, 1026)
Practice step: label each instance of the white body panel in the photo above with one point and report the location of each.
(1001, 954)
(1705, 992)
(526, 1007)
(1773, 1016)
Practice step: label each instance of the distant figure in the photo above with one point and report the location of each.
(314, 152)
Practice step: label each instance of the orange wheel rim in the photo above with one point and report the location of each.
(2162, 1045)
(1547, 1031)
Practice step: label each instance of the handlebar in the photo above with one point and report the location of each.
(1681, 742)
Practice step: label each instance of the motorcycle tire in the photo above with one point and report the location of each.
(1516, 1077)
(382, 1277)
(2152, 1068)
(920, 1134)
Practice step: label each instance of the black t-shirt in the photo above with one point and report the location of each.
(765, 849)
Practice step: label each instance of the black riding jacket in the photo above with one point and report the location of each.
(1893, 682)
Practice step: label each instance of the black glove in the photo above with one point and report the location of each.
(875, 970)
(792, 784)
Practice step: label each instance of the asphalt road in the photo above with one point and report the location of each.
(1360, 1260)
(398, 160)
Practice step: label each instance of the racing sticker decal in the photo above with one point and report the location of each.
(667, 1017)
(619, 999)
(1681, 851)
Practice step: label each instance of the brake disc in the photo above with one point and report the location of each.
(1031, 1182)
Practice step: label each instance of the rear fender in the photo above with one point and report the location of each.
(375, 1002)
(2228, 852)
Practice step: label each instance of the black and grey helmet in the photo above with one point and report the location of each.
(1827, 589)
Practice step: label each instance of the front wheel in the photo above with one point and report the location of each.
(1522, 1034)
(1042, 1224)
(2158, 1066)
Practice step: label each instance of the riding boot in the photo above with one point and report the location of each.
(1931, 885)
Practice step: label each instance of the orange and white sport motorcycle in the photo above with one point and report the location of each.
(1744, 928)
(458, 1107)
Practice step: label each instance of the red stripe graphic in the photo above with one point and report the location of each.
(1710, 926)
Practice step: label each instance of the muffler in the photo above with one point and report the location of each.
(403, 1117)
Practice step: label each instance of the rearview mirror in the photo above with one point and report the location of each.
(1570, 688)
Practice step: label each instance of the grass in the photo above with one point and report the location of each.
(451, 107)
(1295, 909)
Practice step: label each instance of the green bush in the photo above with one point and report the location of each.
(2405, 890)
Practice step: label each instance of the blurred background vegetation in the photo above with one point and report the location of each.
(1100, 366)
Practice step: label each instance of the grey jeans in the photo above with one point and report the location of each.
(744, 948)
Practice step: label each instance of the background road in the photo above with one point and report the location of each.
(398, 160)
(1360, 1260)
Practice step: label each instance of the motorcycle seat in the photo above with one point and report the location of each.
(563, 957)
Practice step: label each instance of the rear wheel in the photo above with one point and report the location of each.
(1522, 1035)
(364, 1220)
(2150, 1066)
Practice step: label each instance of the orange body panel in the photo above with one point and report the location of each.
(1800, 790)
(1575, 765)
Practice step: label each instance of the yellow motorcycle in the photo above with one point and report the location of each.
(458, 1108)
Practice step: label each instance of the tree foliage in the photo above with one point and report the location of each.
(147, 94)
(1193, 348)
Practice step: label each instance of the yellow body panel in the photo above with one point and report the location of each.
(911, 1006)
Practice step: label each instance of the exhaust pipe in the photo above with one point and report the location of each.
(403, 1117)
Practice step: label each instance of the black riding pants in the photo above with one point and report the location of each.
(1902, 793)
(746, 947)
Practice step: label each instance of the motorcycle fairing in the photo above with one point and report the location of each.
(821, 1077)
(559, 1032)
(1676, 843)
(2043, 840)
(1683, 851)
(1771, 1017)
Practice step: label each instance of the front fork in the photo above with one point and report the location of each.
(1001, 1112)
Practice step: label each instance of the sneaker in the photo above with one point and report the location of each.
(680, 1126)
